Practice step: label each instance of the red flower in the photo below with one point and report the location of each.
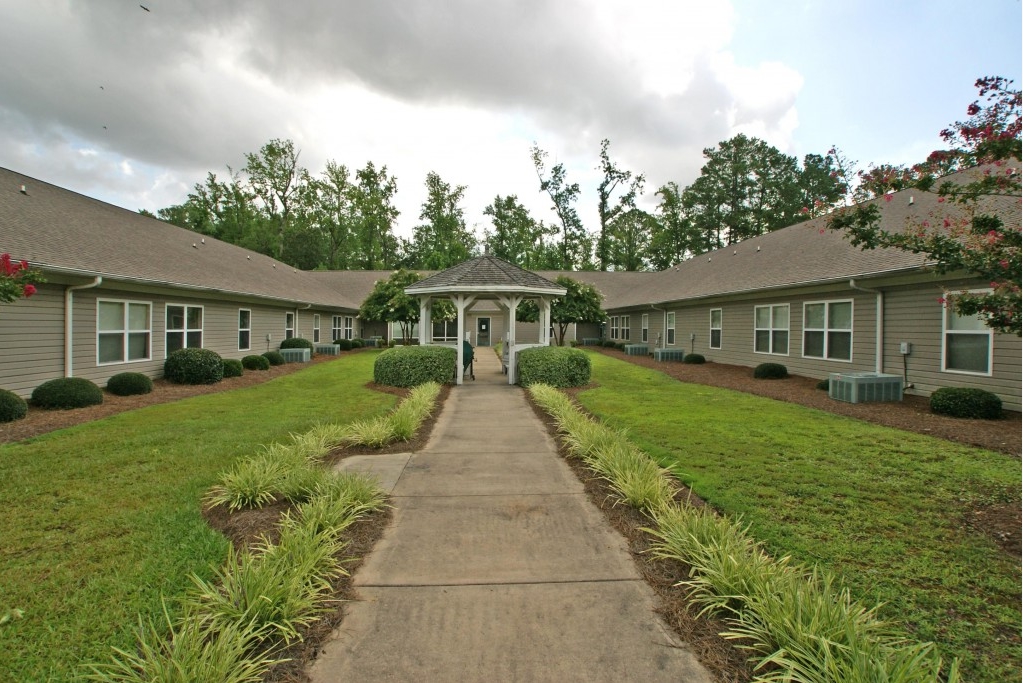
(887, 197)
(29, 290)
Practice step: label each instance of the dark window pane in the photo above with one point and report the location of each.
(762, 343)
(813, 344)
(175, 317)
(243, 340)
(194, 318)
(175, 341)
(195, 340)
(840, 345)
(111, 348)
(715, 339)
(967, 352)
(780, 341)
(138, 346)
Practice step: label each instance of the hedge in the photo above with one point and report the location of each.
(64, 393)
(770, 371)
(966, 402)
(694, 359)
(233, 367)
(410, 366)
(194, 366)
(557, 366)
(297, 343)
(129, 384)
(274, 357)
(12, 406)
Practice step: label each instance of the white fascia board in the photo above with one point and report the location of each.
(485, 289)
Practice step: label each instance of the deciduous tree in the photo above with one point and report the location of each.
(442, 240)
(575, 245)
(616, 196)
(517, 237)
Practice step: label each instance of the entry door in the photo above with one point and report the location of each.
(482, 331)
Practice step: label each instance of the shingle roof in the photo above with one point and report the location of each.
(485, 273)
(64, 231)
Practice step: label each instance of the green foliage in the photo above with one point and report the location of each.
(255, 362)
(17, 279)
(12, 406)
(409, 366)
(518, 238)
(129, 384)
(233, 367)
(824, 384)
(608, 344)
(274, 357)
(770, 371)
(966, 402)
(358, 343)
(442, 240)
(624, 234)
(389, 303)
(694, 359)
(557, 366)
(344, 344)
(574, 248)
(194, 366)
(65, 393)
(296, 343)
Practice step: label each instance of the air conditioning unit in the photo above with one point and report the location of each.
(864, 387)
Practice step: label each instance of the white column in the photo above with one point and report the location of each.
(511, 302)
(461, 302)
(545, 321)
(425, 323)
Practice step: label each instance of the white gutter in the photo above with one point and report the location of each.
(879, 323)
(68, 323)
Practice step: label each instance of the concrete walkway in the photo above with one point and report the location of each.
(497, 567)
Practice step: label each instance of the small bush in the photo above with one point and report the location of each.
(66, 393)
(770, 371)
(391, 344)
(232, 367)
(358, 344)
(129, 384)
(344, 344)
(694, 359)
(274, 357)
(966, 402)
(194, 366)
(824, 384)
(12, 406)
(558, 366)
(608, 344)
(297, 343)
(255, 362)
(410, 366)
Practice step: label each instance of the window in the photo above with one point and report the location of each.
(715, 328)
(289, 325)
(244, 329)
(624, 328)
(670, 332)
(335, 328)
(349, 324)
(445, 330)
(614, 327)
(316, 328)
(771, 329)
(967, 344)
(122, 331)
(184, 327)
(827, 330)
(645, 328)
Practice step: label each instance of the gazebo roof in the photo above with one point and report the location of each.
(483, 276)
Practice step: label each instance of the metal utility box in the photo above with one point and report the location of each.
(864, 387)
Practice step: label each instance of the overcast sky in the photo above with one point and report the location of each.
(134, 107)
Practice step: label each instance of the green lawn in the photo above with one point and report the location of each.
(882, 508)
(103, 519)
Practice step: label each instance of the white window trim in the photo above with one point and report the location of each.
(771, 329)
(614, 328)
(316, 328)
(336, 328)
(349, 327)
(244, 329)
(827, 310)
(186, 329)
(719, 328)
(644, 323)
(944, 341)
(293, 318)
(125, 331)
(624, 327)
(669, 325)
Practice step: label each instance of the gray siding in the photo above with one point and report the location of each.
(32, 340)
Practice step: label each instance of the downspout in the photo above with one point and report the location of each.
(69, 327)
(878, 325)
(664, 325)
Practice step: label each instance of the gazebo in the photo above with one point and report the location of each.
(486, 278)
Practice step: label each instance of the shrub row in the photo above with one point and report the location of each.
(557, 366)
(129, 384)
(409, 366)
(797, 619)
(966, 402)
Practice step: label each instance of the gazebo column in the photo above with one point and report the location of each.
(510, 303)
(461, 302)
(545, 321)
(425, 323)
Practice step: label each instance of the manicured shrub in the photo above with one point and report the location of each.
(620, 346)
(297, 343)
(66, 393)
(358, 343)
(824, 384)
(607, 343)
(129, 384)
(966, 402)
(232, 367)
(255, 362)
(344, 344)
(410, 366)
(557, 366)
(194, 366)
(391, 344)
(694, 359)
(12, 406)
(770, 371)
(274, 357)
